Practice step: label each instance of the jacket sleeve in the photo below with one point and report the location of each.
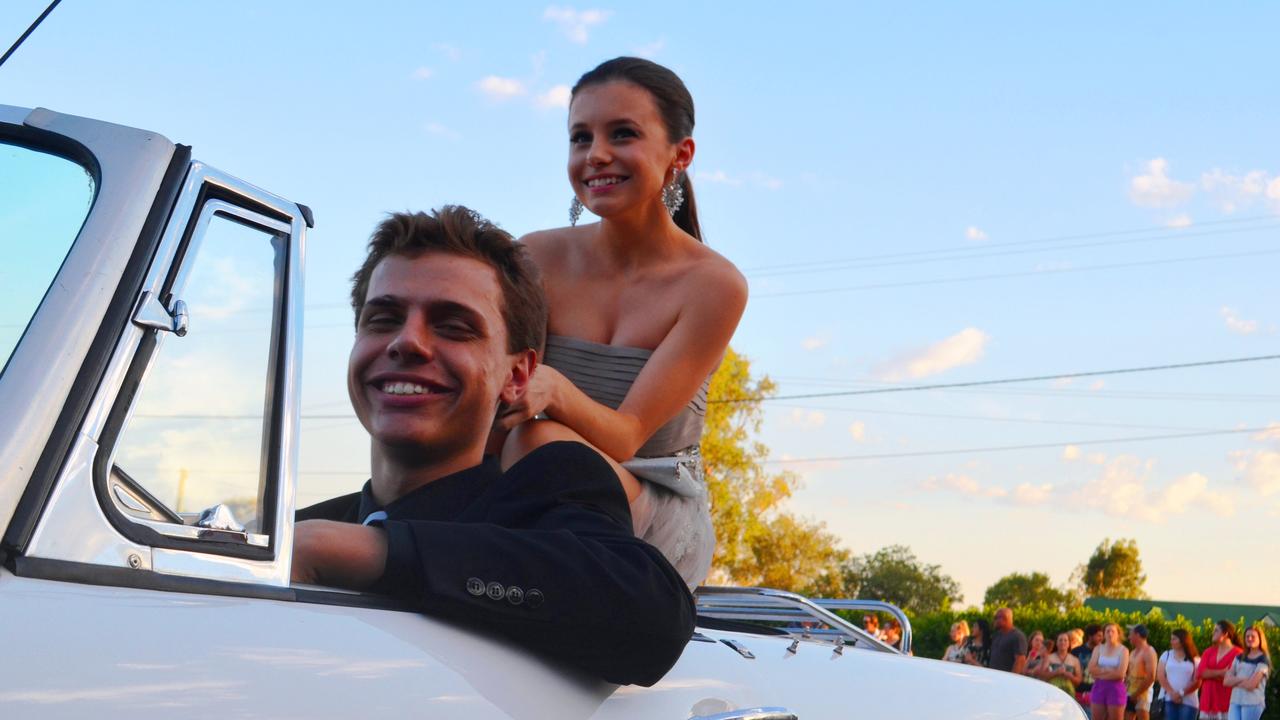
(556, 569)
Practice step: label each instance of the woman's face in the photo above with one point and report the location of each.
(956, 634)
(1063, 644)
(619, 153)
(1037, 642)
(1111, 635)
(1218, 634)
(1175, 643)
(1252, 639)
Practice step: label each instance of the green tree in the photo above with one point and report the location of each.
(1113, 571)
(1025, 590)
(895, 574)
(758, 541)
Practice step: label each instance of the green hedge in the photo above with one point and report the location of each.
(931, 632)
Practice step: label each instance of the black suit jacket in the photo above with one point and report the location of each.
(543, 555)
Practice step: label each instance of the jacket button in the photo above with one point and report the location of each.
(515, 595)
(475, 586)
(496, 591)
(534, 598)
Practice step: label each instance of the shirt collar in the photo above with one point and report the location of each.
(441, 499)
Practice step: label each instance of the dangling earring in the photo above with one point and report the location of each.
(673, 194)
(575, 210)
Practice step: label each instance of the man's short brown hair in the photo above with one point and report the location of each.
(457, 230)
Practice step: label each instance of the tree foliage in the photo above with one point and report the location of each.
(1026, 590)
(1113, 571)
(895, 575)
(758, 542)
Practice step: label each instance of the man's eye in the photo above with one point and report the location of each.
(381, 319)
(456, 329)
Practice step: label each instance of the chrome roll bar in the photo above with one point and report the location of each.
(797, 615)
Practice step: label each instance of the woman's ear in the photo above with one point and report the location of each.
(523, 364)
(684, 154)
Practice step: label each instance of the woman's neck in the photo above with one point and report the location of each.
(639, 238)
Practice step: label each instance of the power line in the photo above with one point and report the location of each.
(1007, 448)
(980, 253)
(1002, 381)
(1002, 276)
(1015, 243)
(1021, 421)
(13, 48)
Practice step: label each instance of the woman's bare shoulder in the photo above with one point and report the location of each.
(713, 271)
(550, 248)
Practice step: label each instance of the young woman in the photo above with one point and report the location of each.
(1108, 666)
(1035, 654)
(1176, 674)
(641, 311)
(1061, 669)
(1215, 696)
(1248, 677)
(959, 636)
(977, 650)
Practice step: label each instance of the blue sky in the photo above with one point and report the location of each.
(1061, 188)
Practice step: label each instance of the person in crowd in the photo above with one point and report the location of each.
(871, 624)
(1077, 638)
(449, 321)
(1215, 662)
(1060, 668)
(893, 634)
(1248, 677)
(1036, 654)
(1176, 674)
(1084, 653)
(1008, 644)
(1141, 676)
(959, 637)
(1108, 666)
(641, 310)
(977, 649)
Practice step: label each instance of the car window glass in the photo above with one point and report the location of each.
(197, 436)
(44, 200)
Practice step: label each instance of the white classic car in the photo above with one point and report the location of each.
(147, 479)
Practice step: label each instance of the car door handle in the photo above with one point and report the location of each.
(760, 713)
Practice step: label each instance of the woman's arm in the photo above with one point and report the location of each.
(1076, 672)
(1162, 678)
(690, 352)
(1094, 670)
(1259, 677)
(1229, 678)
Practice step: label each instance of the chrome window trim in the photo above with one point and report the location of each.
(131, 164)
(67, 508)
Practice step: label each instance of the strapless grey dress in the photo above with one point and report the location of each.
(672, 512)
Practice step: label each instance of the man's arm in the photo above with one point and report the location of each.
(1148, 663)
(1019, 664)
(326, 552)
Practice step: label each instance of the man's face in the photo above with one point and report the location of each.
(1003, 620)
(430, 360)
(1096, 639)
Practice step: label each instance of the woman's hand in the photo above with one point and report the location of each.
(539, 397)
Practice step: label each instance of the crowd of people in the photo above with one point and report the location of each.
(1227, 681)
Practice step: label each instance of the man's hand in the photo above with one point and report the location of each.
(338, 554)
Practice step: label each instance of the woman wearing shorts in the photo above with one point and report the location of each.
(1108, 666)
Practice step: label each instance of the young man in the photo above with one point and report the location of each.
(450, 318)
(1141, 676)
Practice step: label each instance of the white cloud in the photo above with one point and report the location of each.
(1237, 325)
(650, 50)
(858, 431)
(1028, 494)
(717, 176)
(556, 97)
(963, 484)
(423, 73)
(1235, 192)
(1259, 468)
(808, 420)
(1098, 384)
(1157, 189)
(1071, 452)
(1272, 432)
(974, 233)
(449, 51)
(575, 24)
(815, 342)
(765, 181)
(964, 348)
(1181, 220)
(500, 88)
(1124, 490)
(436, 128)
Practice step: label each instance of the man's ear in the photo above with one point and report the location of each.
(522, 367)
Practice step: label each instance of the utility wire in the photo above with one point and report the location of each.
(983, 418)
(1002, 276)
(1007, 448)
(13, 48)
(1001, 381)
(1016, 243)
(981, 253)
